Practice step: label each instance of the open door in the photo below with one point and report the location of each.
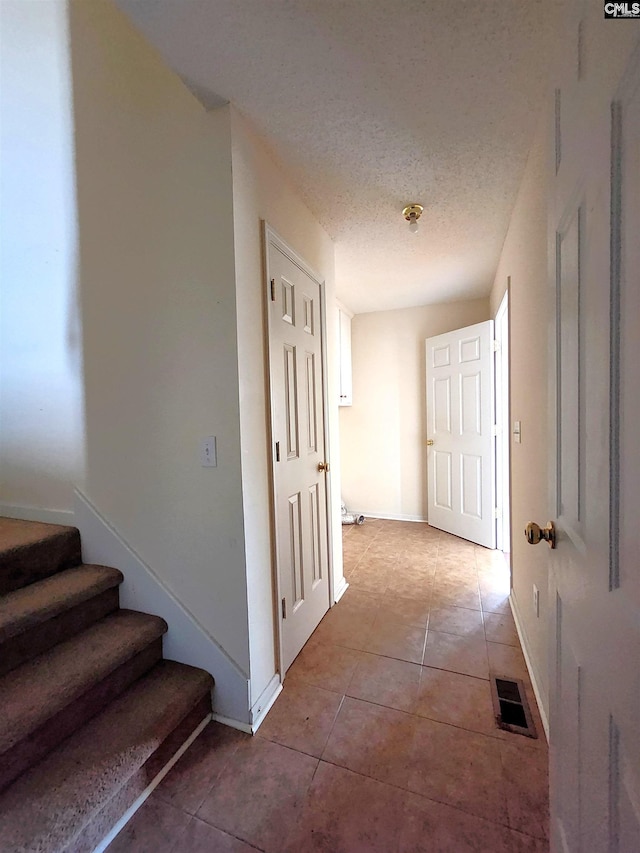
(299, 467)
(594, 575)
(460, 434)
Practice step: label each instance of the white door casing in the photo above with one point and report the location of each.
(297, 393)
(501, 329)
(346, 378)
(594, 580)
(460, 421)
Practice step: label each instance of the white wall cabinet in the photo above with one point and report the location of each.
(344, 338)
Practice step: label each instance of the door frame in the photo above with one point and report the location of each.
(270, 237)
(502, 395)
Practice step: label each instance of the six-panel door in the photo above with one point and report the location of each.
(460, 423)
(295, 344)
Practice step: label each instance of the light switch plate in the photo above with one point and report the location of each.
(517, 432)
(208, 452)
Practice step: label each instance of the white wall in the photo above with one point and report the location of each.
(41, 416)
(157, 282)
(524, 259)
(261, 191)
(383, 433)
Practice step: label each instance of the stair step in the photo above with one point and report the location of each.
(102, 823)
(45, 613)
(31, 551)
(52, 805)
(47, 698)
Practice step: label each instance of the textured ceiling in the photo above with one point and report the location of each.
(370, 105)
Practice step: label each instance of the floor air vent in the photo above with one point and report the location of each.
(511, 707)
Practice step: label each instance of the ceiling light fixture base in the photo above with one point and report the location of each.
(412, 212)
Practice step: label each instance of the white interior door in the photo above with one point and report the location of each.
(460, 439)
(594, 579)
(296, 317)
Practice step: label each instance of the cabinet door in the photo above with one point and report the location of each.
(346, 385)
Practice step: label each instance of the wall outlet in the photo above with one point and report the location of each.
(208, 452)
(536, 601)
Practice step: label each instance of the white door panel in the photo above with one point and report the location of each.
(442, 486)
(297, 421)
(594, 578)
(460, 426)
(442, 406)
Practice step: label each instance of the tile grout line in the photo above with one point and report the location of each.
(375, 609)
(434, 800)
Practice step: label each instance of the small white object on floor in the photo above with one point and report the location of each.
(350, 517)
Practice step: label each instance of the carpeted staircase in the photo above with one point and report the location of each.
(90, 712)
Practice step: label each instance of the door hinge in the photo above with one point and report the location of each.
(497, 513)
(497, 346)
(277, 451)
(284, 608)
(495, 430)
(273, 290)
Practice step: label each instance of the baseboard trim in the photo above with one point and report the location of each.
(388, 517)
(133, 808)
(233, 724)
(266, 699)
(344, 586)
(264, 703)
(32, 513)
(524, 642)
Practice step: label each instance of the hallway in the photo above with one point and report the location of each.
(383, 738)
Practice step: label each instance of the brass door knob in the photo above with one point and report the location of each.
(429, 442)
(324, 466)
(534, 533)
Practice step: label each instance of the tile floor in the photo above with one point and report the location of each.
(383, 737)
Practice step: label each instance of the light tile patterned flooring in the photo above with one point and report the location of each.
(383, 738)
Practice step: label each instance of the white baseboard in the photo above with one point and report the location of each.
(533, 673)
(390, 517)
(233, 724)
(340, 591)
(259, 710)
(266, 699)
(186, 641)
(133, 808)
(32, 513)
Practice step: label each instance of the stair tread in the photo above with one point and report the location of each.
(17, 533)
(48, 806)
(31, 551)
(43, 686)
(33, 604)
